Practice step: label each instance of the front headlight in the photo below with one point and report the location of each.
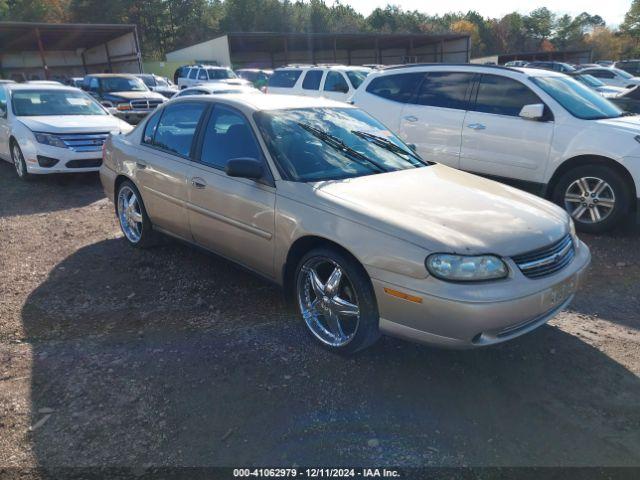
(49, 139)
(124, 106)
(464, 268)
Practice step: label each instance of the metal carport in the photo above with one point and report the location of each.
(58, 50)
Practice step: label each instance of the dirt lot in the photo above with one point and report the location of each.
(115, 356)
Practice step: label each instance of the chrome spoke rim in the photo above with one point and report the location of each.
(328, 301)
(589, 200)
(130, 214)
(18, 161)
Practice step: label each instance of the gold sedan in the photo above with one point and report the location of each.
(366, 236)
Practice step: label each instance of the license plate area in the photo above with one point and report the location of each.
(557, 294)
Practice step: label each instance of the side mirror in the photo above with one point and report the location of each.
(535, 111)
(245, 168)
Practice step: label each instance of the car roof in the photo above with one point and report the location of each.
(211, 86)
(38, 86)
(111, 75)
(253, 102)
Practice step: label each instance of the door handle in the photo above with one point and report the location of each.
(198, 182)
(411, 118)
(141, 166)
(476, 126)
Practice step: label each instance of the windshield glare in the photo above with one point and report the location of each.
(356, 77)
(31, 103)
(123, 84)
(314, 144)
(580, 101)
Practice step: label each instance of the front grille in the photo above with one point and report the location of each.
(88, 163)
(84, 142)
(545, 261)
(145, 104)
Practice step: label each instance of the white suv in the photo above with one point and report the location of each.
(337, 82)
(194, 75)
(540, 130)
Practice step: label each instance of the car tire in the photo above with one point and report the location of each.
(596, 197)
(132, 216)
(19, 163)
(323, 300)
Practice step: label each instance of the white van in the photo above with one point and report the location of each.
(337, 82)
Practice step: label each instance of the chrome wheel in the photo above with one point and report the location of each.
(589, 200)
(328, 301)
(130, 214)
(18, 160)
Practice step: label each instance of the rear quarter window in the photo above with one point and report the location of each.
(284, 78)
(399, 88)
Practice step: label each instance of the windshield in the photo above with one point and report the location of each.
(589, 80)
(317, 144)
(148, 81)
(356, 77)
(31, 103)
(580, 101)
(122, 84)
(622, 73)
(220, 74)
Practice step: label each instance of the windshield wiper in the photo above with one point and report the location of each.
(342, 147)
(386, 144)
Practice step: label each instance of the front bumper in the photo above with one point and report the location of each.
(132, 116)
(455, 321)
(44, 159)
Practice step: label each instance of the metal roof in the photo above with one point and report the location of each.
(21, 36)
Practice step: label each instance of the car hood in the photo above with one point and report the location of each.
(72, 123)
(135, 95)
(611, 91)
(442, 209)
(629, 123)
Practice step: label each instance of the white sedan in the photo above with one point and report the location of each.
(612, 76)
(53, 129)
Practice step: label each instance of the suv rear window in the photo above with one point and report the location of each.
(312, 80)
(284, 78)
(399, 88)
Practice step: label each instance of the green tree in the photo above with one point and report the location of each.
(539, 23)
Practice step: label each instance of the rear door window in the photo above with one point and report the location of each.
(503, 96)
(284, 78)
(177, 127)
(312, 80)
(399, 88)
(193, 73)
(445, 89)
(202, 74)
(602, 73)
(335, 82)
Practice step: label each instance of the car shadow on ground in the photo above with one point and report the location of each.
(46, 193)
(170, 356)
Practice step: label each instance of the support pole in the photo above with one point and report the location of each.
(41, 50)
(106, 49)
(286, 51)
(335, 50)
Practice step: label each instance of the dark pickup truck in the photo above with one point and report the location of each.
(125, 95)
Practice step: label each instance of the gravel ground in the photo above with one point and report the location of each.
(114, 356)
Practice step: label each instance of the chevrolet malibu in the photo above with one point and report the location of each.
(53, 129)
(366, 236)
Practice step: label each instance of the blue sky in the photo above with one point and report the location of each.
(612, 11)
